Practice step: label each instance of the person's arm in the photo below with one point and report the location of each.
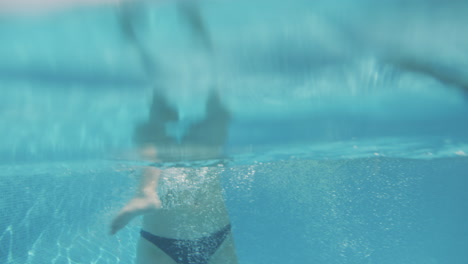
(126, 15)
(191, 12)
(445, 75)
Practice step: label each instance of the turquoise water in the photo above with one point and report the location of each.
(337, 155)
(375, 210)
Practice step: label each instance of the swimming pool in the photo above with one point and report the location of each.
(337, 157)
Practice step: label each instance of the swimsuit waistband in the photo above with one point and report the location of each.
(191, 164)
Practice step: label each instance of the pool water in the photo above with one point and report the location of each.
(374, 210)
(337, 156)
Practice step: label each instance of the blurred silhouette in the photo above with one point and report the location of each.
(202, 140)
(185, 220)
(401, 56)
(445, 75)
(130, 12)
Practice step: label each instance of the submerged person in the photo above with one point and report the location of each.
(185, 220)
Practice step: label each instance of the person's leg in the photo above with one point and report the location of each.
(226, 253)
(147, 253)
(145, 201)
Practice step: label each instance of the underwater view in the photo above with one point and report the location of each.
(234, 132)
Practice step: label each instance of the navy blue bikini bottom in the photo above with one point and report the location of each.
(193, 251)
